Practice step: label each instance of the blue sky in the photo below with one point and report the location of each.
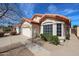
(70, 10)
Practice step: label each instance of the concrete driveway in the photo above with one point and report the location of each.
(11, 42)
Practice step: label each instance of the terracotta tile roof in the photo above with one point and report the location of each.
(28, 20)
(56, 17)
(40, 15)
(43, 16)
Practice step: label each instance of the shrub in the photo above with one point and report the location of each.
(1, 34)
(50, 38)
(43, 37)
(13, 33)
(54, 40)
(7, 29)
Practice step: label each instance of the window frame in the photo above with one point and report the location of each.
(59, 29)
(48, 28)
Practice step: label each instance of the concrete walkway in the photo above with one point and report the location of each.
(11, 42)
(70, 48)
(38, 50)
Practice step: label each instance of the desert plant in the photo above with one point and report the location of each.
(50, 38)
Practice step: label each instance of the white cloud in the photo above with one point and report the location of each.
(69, 11)
(74, 18)
(52, 8)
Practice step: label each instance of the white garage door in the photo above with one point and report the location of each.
(27, 32)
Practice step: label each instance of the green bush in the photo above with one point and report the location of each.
(6, 29)
(54, 40)
(46, 36)
(50, 38)
(1, 34)
(43, 37)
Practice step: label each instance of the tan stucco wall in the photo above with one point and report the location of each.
(37, 19)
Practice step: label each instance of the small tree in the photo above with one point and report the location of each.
(74, 26)
(9, 13)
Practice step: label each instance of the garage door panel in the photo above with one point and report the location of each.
(26, 32)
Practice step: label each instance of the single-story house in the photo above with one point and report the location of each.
(54, 24)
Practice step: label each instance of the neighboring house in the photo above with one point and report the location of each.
(16, 28)
(76, 31)
(47, 23)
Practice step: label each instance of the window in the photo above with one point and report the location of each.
(58, 29)
(47, 29)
